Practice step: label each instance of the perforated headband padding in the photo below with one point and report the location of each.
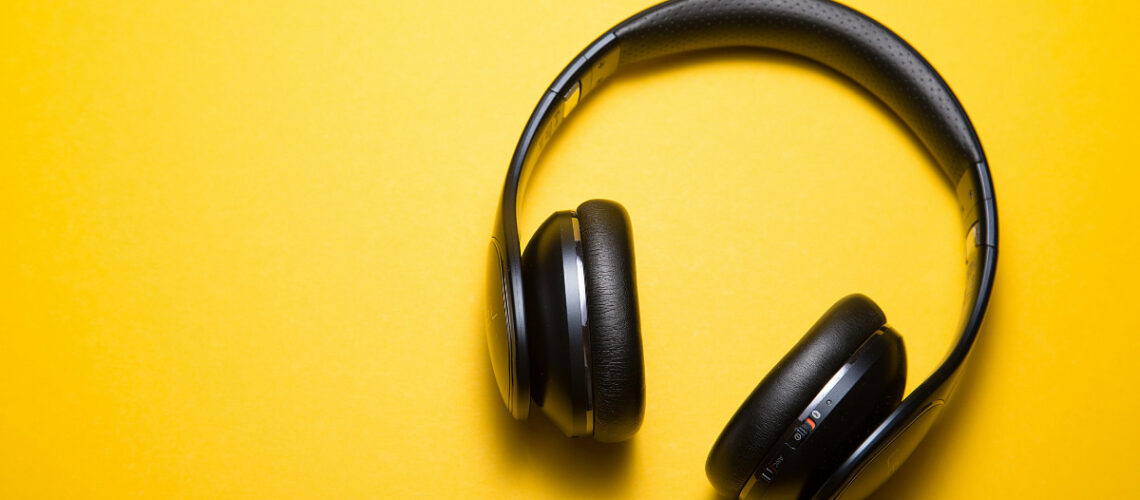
(829, 33)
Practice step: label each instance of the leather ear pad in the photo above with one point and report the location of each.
(788, 389)
(616, 366)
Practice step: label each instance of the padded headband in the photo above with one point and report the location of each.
(826, 32)
(829, 33)
(835, 36)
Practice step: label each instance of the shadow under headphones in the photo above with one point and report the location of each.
(829, 420)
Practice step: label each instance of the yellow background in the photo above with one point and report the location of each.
(242, 244)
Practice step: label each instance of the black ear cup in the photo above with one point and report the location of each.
(556, 326)
(791, 386)
(616, 365)
(582, 322)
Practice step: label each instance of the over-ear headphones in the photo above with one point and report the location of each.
(829, 420)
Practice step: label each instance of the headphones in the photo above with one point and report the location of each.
(829, 420)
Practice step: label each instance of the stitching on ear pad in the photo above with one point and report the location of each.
(788, 389)
(616, 365)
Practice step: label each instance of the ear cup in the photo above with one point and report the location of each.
(616, 365)
(788, 389)
(554, 327)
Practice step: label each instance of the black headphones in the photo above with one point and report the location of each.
(829, 420)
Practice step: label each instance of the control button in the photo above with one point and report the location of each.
(801, 433)
(768, 473)
(797, 438)
(774, 465)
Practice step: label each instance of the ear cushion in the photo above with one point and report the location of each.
(616, 366)
(788, 389)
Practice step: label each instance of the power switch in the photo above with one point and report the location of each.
(801, 433)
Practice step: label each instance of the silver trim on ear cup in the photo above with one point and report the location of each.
(585, 326)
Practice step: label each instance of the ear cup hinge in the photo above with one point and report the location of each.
(976, 198)
(592, 66)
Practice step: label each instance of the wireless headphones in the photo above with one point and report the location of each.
(829, 420)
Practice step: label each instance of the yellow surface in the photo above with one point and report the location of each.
(242, 245)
